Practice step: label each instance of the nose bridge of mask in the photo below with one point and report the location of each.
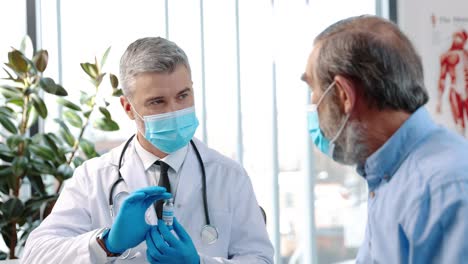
(169, 122)
(170, 115)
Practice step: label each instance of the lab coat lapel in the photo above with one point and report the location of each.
(190, 184)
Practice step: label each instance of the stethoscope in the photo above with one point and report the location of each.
(208, 234)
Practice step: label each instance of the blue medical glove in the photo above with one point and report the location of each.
(165, 248)
(130, 227)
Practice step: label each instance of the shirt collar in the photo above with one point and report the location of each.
(387, 159)
(174, 160)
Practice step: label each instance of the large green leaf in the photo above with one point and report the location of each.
(14, 140)
(88, 148)
(40, 60)
(17, 61)
(9, 91)
(54, 142)
(68, 104)
(106, 124)
(10, 76)
(65, 133)
(104, 57)
(77, 161)
(42, 151)
(68, 137)
(117, 92)
(36, 203)
(65, 171)
(114, 81)
(19, 165)
(49, 85)
(13, 208)
(33, 115)
(4, 189)
(43, 166)
(39, 105)
(7, 178)
(6, 154)
(6, 232)
(5, 171)
(6, 111)
(18, 101)
(73, 118)
(87, 113)
(90, 69)
(26, 46)
(105, 112)
(98, 80)
(86, 99)
(8, 124)
(50, 140)
(37, 184)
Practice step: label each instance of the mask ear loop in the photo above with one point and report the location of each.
(139, 116)
(342, 127)
(325, 93)
(135, 111)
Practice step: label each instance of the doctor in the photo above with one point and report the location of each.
(105, 212)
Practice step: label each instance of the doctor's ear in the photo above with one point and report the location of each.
(127, 107)
(346, 92)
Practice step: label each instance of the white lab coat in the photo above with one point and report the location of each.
(68, 234)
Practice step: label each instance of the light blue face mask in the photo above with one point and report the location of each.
(171, 131)
(325, 145)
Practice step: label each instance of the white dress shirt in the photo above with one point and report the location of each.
(174, 160)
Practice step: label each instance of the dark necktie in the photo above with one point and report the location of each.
(163, 182)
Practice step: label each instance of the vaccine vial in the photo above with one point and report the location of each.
(168, 212)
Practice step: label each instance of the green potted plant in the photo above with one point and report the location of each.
(39, 163)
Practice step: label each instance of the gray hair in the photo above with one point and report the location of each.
(379, 59)
(154, 54)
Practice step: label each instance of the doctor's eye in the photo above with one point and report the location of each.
(156, 101)
(183, 96)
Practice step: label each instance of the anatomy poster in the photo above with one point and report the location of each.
(440, 34)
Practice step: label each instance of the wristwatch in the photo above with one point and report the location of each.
(100, 239)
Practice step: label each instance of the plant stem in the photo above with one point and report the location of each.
(83, 128)
(14, 240)
(23, 126)
(77, 141)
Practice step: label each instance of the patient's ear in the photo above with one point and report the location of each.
(346, 92)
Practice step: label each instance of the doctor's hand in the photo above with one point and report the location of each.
(130, 227)
(164, 247)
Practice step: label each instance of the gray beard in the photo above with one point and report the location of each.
(350, 147)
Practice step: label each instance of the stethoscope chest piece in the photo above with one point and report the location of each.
(117, 202)
(209, 234)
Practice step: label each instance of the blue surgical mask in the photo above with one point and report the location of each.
(171, 131)
(325, 145)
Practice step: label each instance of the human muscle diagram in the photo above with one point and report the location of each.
(453, 80)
